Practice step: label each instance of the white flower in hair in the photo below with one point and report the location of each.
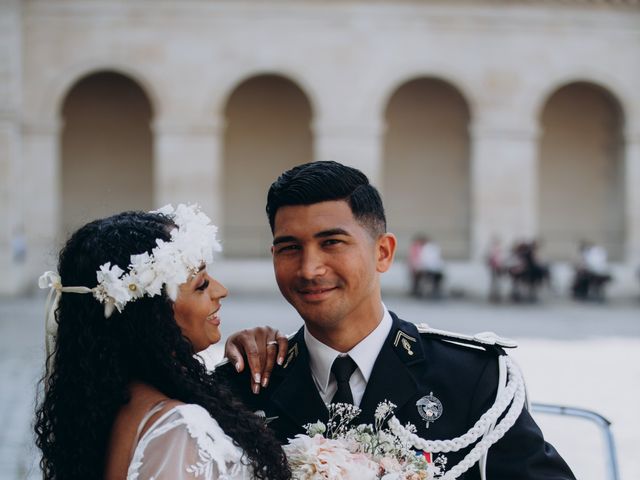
(132, 283)
(192, 244)
(143, 267)
(168, 266)
(111, 290)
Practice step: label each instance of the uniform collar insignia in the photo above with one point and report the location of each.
(291, 355)
(405, 340)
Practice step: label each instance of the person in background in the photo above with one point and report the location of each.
(432, 267)
(592, 272)
(413, 262)
(527, 272)
(497, 264)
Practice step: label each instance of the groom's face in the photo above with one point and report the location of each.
(327, 264)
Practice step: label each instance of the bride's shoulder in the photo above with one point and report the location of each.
(197, 421)
(186, 440)
(133, 420)
(187, 418)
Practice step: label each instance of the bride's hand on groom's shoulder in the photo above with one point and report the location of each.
(261, 348)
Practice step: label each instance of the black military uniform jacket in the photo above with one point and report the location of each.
(410, 366)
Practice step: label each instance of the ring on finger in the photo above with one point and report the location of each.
(272, 343)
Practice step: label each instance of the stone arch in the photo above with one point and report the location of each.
(55, 92)
(392, 80)
(268, 130)
(427, 165)
(106, 148)
(539, 97)
(581, 170)
(220, 97)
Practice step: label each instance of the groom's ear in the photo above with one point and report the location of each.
(385, 251)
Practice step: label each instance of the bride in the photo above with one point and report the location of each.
(124, 396)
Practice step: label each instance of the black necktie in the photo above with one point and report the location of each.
(342, 368)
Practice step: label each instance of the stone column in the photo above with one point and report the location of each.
(12, 226)
(41, 191)
(12, 223)
(632, 193)
(504, 185)
(188, 165)
(353, 144)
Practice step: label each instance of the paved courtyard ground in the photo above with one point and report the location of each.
(579, 355)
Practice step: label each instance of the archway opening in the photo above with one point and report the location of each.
(268, 131)
(426, 165)
(581, 174)
(107, 149)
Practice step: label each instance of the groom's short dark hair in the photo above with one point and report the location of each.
(317, 182)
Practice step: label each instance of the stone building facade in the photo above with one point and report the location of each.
(515, 118)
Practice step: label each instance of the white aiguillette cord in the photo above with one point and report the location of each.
(513, 394)
(52, 281)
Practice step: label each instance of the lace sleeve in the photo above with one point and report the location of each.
(187, 444)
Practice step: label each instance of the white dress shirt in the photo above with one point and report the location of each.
(364, 354)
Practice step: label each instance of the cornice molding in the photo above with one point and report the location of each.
(621, 15)
(81, 6)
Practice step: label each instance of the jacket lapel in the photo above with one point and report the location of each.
(392, 378)
(297, 396)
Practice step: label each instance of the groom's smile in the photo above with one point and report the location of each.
(327, 266)
(316, 290)
(315, 294)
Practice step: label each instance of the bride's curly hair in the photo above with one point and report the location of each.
(95, 360)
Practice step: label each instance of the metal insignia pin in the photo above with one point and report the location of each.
(407, 346)
(429, 408)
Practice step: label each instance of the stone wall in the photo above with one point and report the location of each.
(505, 58)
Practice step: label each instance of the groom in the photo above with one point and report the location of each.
(330, 247)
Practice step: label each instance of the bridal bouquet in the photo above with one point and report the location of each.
(339, 450)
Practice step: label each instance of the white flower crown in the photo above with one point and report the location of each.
(170, 263)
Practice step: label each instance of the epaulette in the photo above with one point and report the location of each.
(479, 340)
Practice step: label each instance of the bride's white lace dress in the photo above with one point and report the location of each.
(186, 443)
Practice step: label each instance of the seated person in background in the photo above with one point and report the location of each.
(527, 272)
(592, 272)
(431, 267)
(413, 262)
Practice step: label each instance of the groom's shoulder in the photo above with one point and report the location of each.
(448, 347)
(479, 341)
(487, 341)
